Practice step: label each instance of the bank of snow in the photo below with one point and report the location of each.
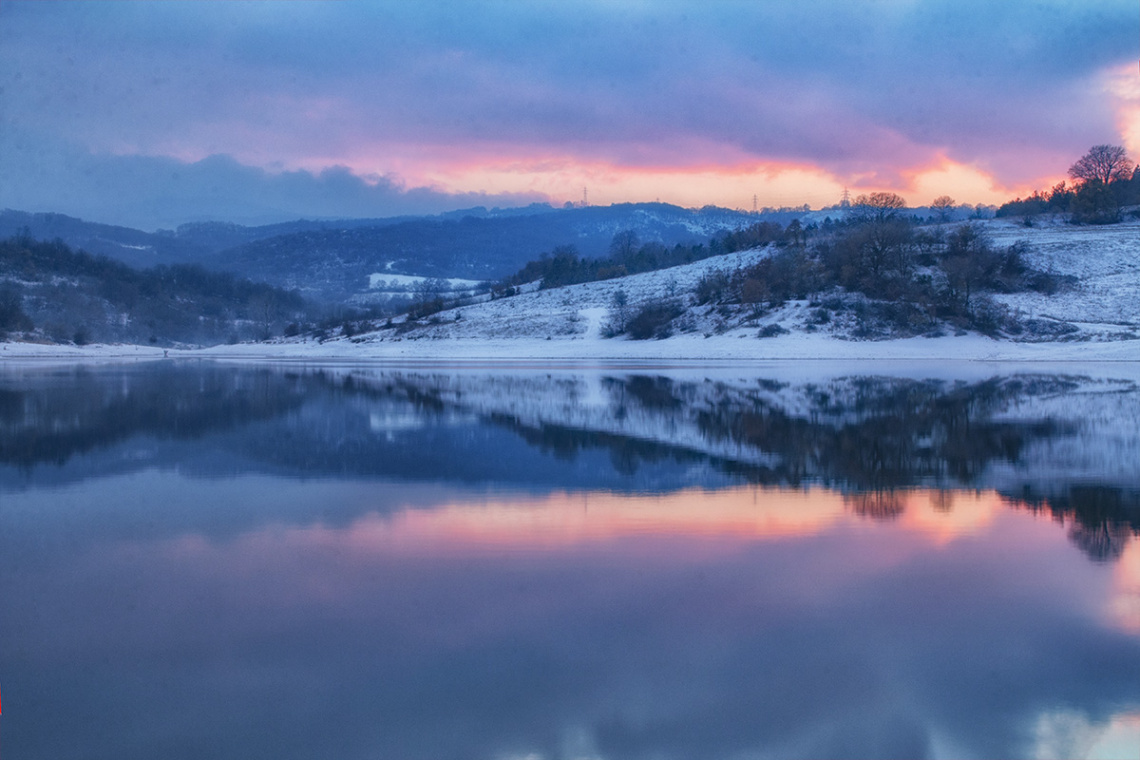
(741, 346)
(11, 353)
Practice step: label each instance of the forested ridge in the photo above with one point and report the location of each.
(50, 291)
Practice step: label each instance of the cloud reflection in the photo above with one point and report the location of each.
(1126, 580)
(693, 625)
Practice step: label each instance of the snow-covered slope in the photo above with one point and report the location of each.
(1105, 260)
(576, 311)
(570, 322)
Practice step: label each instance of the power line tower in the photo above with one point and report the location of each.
(754, 209)
(846, 202)
(585, 198)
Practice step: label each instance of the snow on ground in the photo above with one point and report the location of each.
(735, 345)
(569, 312)
(569, 323)
(1106, 260)
(402, 283)
(51, 353)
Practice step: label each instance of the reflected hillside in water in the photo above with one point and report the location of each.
(682, 563)
(51, 417)
(1061, 444)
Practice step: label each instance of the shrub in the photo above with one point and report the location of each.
(1095, 203)
(712, 288)
(12, 316)
(753, 291)
(1047, 329)
(654, 320)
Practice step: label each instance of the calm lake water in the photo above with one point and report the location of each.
(210, 561)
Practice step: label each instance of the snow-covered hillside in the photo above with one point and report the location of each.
(1105, 260)
(570, 322)
(1101, 314)
(576, 311)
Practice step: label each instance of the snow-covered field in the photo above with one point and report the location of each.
(1106, 260)
(404, 283)
(568, 323)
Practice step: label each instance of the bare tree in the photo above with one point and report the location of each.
(624, 245)
(620, 309)
(879, 206)
(942, 206)
(1103, 163)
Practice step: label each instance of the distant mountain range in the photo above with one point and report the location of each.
(332, 259)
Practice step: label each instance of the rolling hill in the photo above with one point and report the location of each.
(332, 260)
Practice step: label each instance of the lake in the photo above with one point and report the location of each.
(573, 562)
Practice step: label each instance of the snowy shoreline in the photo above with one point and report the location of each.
(685, 348)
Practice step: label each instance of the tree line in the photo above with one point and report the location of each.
(911, 278)
(893, 275)
(1104, 183)
(50, 291)
(627, 255)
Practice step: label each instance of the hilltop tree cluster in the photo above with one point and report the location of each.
(899, 279)
(1104, 182)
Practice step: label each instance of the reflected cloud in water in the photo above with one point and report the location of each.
(753, 620)
(290, 565)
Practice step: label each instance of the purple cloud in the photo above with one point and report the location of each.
(851, 89)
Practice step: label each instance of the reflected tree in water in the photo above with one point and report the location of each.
(871, 437)
(1102, 520)
(876, 505)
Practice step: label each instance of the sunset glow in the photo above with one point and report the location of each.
(1123, 85)
(279, 110)
(562, 520)
(564, 181)
(1126, 599)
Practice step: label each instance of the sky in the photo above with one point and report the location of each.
(156, 113)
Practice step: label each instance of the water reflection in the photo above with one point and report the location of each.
(1126, 581)
(684, 625)
(1061, 444)
(289, 564)
(51, 417)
